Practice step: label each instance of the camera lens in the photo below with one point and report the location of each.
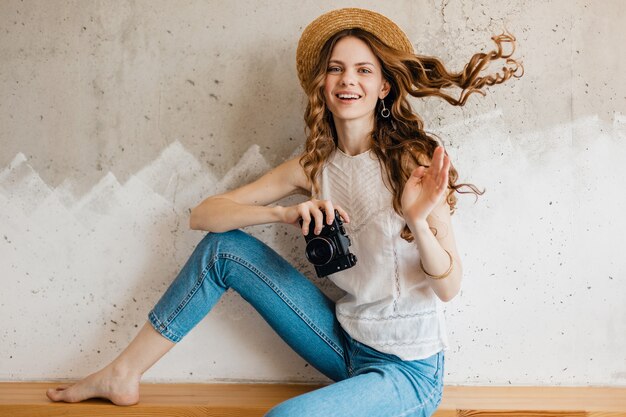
(319, 251)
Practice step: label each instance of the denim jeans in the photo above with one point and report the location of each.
(367, 382)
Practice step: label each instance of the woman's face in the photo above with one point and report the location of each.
(354, 81)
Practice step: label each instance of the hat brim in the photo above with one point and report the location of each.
(317, 33)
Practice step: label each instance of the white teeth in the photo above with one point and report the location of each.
(348, 96)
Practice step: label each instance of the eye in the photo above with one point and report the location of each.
(365, 70)
(334, 69)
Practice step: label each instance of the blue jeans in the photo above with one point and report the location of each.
(368, 382)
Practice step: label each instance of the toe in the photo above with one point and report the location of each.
(62, 393)
(55, 394)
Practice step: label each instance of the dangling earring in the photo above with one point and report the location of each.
(384, 111)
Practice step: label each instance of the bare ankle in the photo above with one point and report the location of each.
(122, 370)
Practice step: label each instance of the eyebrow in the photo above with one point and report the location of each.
(357, 64)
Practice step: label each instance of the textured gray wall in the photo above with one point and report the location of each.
(117, 117)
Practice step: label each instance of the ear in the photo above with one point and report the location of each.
(384, 90)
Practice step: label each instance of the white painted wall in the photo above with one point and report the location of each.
(116, 118)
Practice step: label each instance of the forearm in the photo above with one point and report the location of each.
(222, 214)
(436, 261)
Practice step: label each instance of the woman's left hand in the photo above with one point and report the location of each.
(425, 187)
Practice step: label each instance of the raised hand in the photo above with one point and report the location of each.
(425, 187)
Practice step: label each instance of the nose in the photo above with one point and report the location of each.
(347, 78)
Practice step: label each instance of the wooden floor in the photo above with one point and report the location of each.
(251, 400)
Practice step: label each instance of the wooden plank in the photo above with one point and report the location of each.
(172, 394)
(443, 412)
(188, 400)
(519, 413)
(109, 410)
(20, 399)
(536, 413)
(535, 398)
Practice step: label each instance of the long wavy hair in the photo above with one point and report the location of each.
(400, 142)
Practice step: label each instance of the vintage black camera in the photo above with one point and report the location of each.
(328, 251)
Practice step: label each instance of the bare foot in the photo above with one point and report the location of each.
(119, 387)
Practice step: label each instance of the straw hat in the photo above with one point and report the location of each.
(324, 27)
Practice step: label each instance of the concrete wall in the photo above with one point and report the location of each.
(116, 117)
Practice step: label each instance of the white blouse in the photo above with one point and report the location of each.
(388, 305)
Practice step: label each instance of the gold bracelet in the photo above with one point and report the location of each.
(445, 274)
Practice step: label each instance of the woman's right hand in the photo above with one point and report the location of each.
(312, 209)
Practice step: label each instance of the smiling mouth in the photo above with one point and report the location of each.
(348, 97)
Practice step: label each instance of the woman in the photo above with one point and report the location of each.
(368, 157)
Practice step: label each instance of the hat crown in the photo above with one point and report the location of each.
(317, 33)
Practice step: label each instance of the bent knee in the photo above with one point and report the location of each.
(230, 238)
(232, 242)
(285, 409)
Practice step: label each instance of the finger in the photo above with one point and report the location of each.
(306, 219)
(318, 217)
(343, 214)
(330, 212)
(418, 172)
(445, 171)
(443, 168)
(437, 161)
(417, 176)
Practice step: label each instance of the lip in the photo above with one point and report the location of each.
(347, 100)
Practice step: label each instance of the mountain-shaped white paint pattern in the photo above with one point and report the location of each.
(22, 185)
(79, 272)
(79, 261)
